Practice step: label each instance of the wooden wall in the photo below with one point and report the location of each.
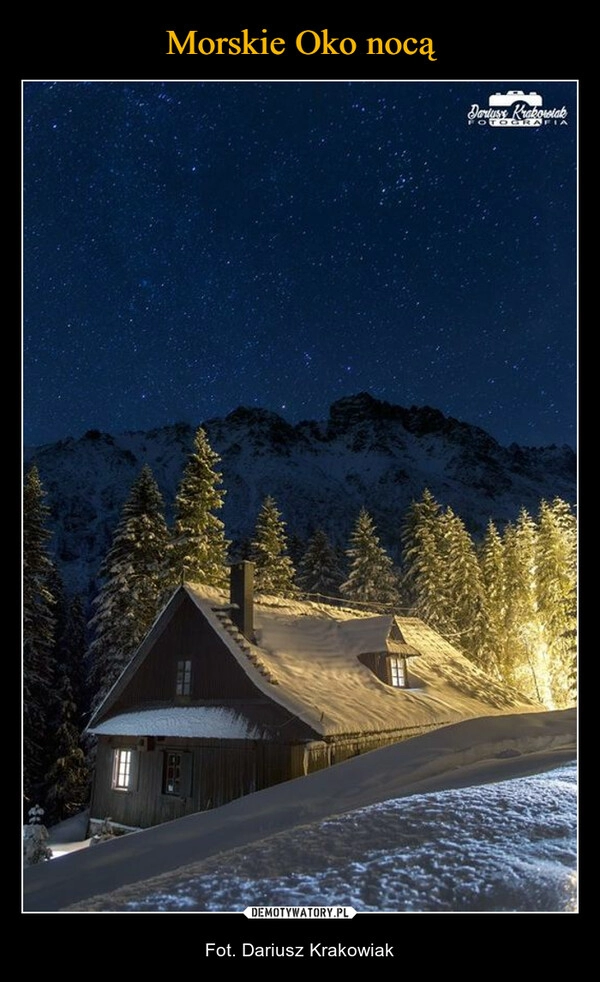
(215, 672)
(221, 770)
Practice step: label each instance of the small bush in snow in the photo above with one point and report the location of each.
(35, 837)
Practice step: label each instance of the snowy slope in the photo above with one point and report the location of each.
(367, 453)
(509, 846)
(462, 755)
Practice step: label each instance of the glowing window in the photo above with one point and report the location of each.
(398, 672)
(183, 686)
(122, 762)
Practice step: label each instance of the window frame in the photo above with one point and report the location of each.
(122, 772)
(176, 766)
(398, 671)
(182, 783)
(183, 678)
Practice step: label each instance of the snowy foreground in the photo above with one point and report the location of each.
(509, 846)
(411, 828)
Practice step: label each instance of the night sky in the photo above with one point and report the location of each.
(192, 247)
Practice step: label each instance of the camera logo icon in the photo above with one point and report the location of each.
(516, 108)
(513, 96)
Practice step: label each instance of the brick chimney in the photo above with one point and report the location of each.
(242, 597)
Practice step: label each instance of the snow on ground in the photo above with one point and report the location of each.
(63, 849)
(506, 847)
(69, 836)
(509, 846)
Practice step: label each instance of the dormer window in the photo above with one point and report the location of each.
(390, 668)
(183, 684)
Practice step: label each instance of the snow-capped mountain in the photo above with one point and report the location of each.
(367, 453)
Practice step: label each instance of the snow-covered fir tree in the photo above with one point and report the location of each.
(464, 614)
(556, 594)
(35, 838)
(38, 636)
(67, 777)
(198, 549)
(134, 576)
(371, 577)
(442, 575)
(273, 569)
(70, 651)
(526, 663)
(511, 607)
(493, 651)
(319, 570)
(423, 569)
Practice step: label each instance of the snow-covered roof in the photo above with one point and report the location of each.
(306, 660)
(210, 722)
(311, 652)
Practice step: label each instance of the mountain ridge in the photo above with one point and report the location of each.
(367, 453)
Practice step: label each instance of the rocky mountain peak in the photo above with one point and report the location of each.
(368, 453)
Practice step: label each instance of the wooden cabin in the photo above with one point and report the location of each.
(226, 696)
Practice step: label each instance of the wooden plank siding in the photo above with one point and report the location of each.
(221, 770)
(215, 673)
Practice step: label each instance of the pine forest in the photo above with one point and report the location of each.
(508, 601)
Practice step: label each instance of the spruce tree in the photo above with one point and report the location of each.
(556, 594)
(371, 578)
(67, 777)
(526, 664)
(133, 575)
(424, 572)
(273, 569)
(70, 654)
(463, 589)
(319, 570)
(493, 651)
(38, 636)
(199, 549)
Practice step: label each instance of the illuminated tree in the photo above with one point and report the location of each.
(462, 591)
(442, 575)
(512, 607)
(273, 569)
(423, 570)
(493, 651)
(199, 549)
(556, 590)
(526, 663)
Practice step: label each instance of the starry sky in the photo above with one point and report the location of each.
(189, 247)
